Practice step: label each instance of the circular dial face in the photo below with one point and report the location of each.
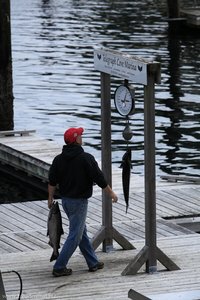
(124, 101)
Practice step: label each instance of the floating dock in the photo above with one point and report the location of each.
(183, 18)
(24, 245)
(24, 248)
(32, 155)
(192, 17)
(27, 152)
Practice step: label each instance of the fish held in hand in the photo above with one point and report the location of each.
(54, 229)
(126, 173)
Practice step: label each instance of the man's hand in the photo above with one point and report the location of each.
(50, 202)
(112, 195)
(51, 191)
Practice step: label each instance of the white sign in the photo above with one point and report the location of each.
(121, 65)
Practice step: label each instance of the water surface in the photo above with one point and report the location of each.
(56, 86)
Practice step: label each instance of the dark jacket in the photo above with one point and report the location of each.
(75, 171)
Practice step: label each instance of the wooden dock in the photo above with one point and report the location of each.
(27, 152)
(192, 17)
(183, 17)
(24, 244)
(24, 248)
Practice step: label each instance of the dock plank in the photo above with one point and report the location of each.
(24, 244)
(174, 200)
(108, 283)
(181, 200)
(27, 217)
(19, 216)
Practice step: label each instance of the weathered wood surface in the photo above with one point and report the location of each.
(28, 153)
(15, 132)
(23, 225)
(192, 16)
(38, 283)
(24, 244)
(23, 229)
(176, 178)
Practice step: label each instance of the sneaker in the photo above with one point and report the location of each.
(62, 272)
(99, 265)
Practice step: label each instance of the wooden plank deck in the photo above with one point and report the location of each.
(38, 283)
(24, 244)
(23, 225)
(24, 248)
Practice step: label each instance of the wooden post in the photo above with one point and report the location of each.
(6, 84)
(107, 232)
(106, 158)
(110, 63)
(173, 9)
(150, 253)
(150, 178)
(176, 23)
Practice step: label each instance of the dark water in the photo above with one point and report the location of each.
(56, 86)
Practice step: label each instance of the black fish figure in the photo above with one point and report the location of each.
(126, 173)
(54, 229)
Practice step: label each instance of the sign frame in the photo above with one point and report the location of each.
(151, 74)
(121, 65)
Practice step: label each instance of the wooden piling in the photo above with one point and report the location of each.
(6, 83)
(173, 9)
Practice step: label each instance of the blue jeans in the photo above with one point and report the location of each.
(76, 210)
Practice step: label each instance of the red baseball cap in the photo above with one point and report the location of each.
(71, 134)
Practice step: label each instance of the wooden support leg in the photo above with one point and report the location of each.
(137, 262)
(143, 257)
(166, 261)
(121, 240)
(98, 238)
(106, 237)
(136, 296)
(2, 290)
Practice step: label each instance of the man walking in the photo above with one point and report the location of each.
(75, 171)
